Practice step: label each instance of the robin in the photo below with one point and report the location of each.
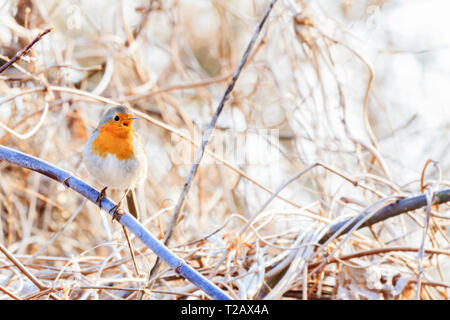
(115, 156)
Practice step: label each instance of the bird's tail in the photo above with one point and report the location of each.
(132, 204)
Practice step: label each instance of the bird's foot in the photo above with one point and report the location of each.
(100, 197)
(117, 211)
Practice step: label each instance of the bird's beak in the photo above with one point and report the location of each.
(128, 121)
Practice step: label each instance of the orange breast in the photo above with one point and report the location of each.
(112, 141)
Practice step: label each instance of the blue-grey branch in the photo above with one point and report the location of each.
(127, 220)
(389, 211)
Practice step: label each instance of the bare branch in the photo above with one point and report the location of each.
(208, 132)
(24, 50)
(127, 220)
(389, 211)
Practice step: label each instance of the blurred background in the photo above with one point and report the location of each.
(359, 86)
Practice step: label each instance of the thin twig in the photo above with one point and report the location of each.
(385, 212)
(290, 180)
(208, 132)
(429, 199)
(201, 83)
(24, 50)
(389, 211)
(56, 235)
(126, 219)
(130, 246)
(379, 251)
(154, 121)
(33, 130)
(9, 293)
(24, 270)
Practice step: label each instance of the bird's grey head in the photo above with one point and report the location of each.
(116, 112)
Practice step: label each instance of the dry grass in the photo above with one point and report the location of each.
(306, 95)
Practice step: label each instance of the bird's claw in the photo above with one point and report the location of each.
(100, 197)
(117, 212)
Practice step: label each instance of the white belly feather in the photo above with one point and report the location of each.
(114, 173)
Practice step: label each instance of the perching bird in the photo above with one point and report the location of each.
(115, 156)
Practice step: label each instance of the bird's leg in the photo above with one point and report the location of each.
(115, 210)
(100, 197)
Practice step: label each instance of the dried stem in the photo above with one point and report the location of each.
(24, 270)
(208, 132)
(127, 220)
(24, 50)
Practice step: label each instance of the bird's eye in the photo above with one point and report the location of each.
(116, 118)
